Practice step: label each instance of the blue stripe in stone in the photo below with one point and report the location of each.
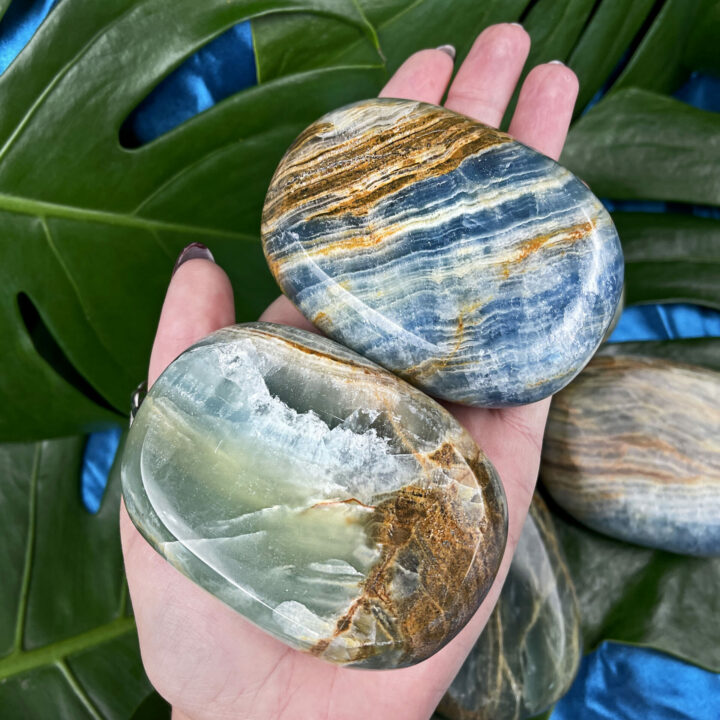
(467, 283)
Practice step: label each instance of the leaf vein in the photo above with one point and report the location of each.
(37, 208)
(20, 662)
(182, 172)
(29, 551)
(76, 289)
(79, 690)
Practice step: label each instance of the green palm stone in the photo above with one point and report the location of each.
(327, 501)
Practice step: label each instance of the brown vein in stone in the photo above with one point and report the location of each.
(367, 369)
(341, 170)
(423, 530)
(558, 237)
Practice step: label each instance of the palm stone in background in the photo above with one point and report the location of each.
(632, 449)
(529, 651)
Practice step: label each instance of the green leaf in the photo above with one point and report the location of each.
(405, 26)
(68, 647)
(658, 62)
(704, 351)
(636, 144)
(701, 52)
(287, 44)
(670, 257)
(555, 28)
(153, 708)
(603, 43)
(89, 230)
(643, 597)
(293, 43)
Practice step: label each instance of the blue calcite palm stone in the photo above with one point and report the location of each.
(632, 449)
(330, 503)
(528, 653)
(463, 261)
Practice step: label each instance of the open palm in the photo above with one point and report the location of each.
(204, 658)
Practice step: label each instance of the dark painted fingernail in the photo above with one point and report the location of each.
(191, 252)
(448, 50)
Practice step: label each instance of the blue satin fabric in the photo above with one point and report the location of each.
(661, 322)
(18, 25)
(616, 682)
(98, 457)
(622, 682)
(216, 71)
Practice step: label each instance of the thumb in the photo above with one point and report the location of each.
(199, 300)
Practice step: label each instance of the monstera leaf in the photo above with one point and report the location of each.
(639, 145)
(643, 597)
(68, 646)
(89, 229)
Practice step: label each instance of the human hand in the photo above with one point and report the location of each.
(202, 656)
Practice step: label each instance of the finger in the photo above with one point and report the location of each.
(423, 76)
(545, 108)
(486, 80)
(283, 312)
(199, 300)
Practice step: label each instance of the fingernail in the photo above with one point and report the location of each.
(556, 62)
(448, 50)
(191, 252)
(517, 25)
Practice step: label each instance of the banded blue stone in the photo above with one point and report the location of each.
(632, 449)
(465, 262)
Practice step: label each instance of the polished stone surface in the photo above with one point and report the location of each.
(632, 449)
(529, 652)
(474, 267)
(329, 502)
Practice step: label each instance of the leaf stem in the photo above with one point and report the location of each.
(19, 661)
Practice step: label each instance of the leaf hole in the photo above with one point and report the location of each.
(48, 349)
(526, 12)
(98, 457)
(18, 25)
(216, 71)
